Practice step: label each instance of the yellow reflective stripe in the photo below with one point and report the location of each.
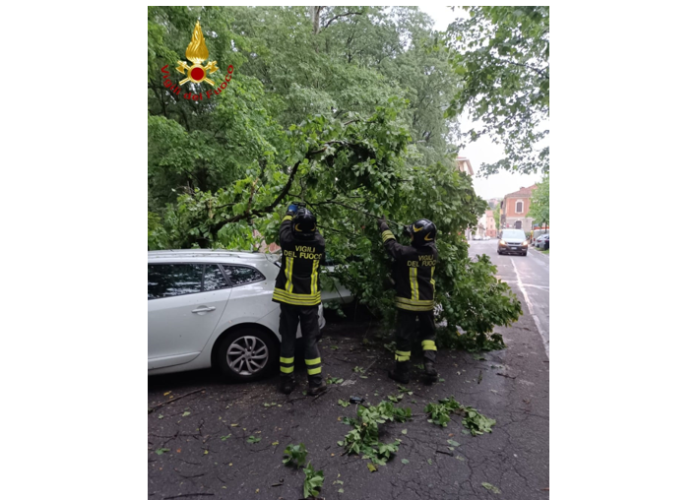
(429, 345)
(288, 272)
(414, 302)
(432, 281)
(286, 360)
(314, 277)
(314, 371)
(286, 369)
(413, 278)
(402, 355)
(388, 235)
(287, 217)
(313, 361)
(413, 308)
(296, 297)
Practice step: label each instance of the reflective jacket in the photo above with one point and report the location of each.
(297, 281)
(413, 272)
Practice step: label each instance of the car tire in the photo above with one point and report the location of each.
(247, 354)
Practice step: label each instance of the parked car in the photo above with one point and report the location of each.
(214, 308)
(542, 241)
(512, 241)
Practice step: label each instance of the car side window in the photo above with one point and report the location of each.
(171, 280)
(213, 278)
(240, 275)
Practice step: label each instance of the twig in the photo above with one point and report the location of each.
(445, 453)
(504, 375)
(150, 410)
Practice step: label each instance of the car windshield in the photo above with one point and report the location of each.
(513, 234)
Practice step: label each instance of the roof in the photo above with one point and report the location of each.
(524, 192)
(204, 253)
(465, 160)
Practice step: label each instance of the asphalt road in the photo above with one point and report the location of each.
(206, 432)
(529, 274)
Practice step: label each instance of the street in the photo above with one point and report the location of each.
(207, 432)
(528, 274)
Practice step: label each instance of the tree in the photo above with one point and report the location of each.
(539, 208)
(316, 115)
(502, 57)
(497, 216)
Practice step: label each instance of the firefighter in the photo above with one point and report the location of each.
(298, 293)
(413, 271)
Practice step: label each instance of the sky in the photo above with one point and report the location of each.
(482, 151)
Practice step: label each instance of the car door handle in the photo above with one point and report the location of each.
(203, 309)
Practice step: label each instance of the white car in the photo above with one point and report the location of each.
(214, 308)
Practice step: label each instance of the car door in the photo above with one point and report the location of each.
(185, 303)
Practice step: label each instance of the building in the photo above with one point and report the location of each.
(464, 165)
(514, 209)
(490, 224)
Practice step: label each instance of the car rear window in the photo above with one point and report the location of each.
(171, 280)
(214, 278)
(241, 275)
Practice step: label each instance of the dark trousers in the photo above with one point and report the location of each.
(405, 333)
(290, 316)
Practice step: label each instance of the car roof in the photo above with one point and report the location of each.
(207, 254)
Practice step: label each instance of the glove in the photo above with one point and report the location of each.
(380, 221)
(292, 209)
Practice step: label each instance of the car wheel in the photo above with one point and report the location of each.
(247, 354)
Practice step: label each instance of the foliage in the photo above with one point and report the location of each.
(475, 422)
(539, 208)
(253, 439)
(313, 481)
(346, 116)
(502, 56)
(364, 438)
(439, 414)
(295, 455)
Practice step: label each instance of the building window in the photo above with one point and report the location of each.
(518, 224)
(518, 207)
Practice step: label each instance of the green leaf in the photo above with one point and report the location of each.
(160, 451)
(253, 439)
(186, 414)
(404, 461)
(404, 431)
(343, 403)
(452, 442)
(492, 488)
(371, 467)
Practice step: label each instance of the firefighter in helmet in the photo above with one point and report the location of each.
(298, 293)
(413, 272)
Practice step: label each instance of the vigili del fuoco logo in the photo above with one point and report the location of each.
(196, 53)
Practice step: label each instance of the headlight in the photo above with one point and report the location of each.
(525, 243)
(502, 243)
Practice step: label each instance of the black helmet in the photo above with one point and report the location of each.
(304, 224)
(423, 232)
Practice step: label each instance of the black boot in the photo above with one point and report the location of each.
(431, 374)
(286, 384)
(316, 388)
(400, 372)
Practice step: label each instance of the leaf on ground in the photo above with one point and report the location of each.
(344, 404)
(234, 425)
(186, 414)
(253, 439)
(166, 393)
(491, 487)
(275, 443)
(459, 458)
(404, 461)
(224, 438)
(371, 467)
(430, 461)
(160, 451)
(160, 416)
(405, 431)
(341, 490)
(453, 442)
